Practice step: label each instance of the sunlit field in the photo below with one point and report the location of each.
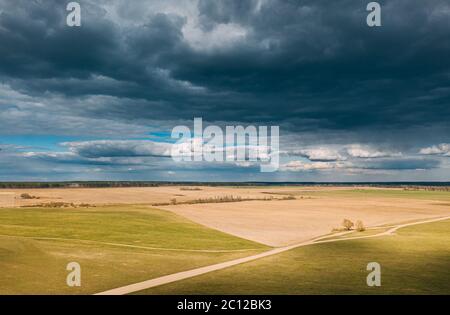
(415, 261)
(114, 246)
(134, 240)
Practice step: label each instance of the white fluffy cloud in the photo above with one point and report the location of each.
(319, 154)
(441, 149)
(366, 152)
(296, 166)
(343, 153)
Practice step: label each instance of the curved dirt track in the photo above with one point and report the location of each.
(203, 270)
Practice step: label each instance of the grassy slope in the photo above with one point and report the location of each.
(136, 225)
(38, 266)
(416, 261)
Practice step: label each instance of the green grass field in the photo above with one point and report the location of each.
(38, 266)
(442, 196)
(121, 245)
(415, 261)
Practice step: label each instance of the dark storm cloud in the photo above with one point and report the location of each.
(117, 148)
(36, 43)
(312, 66)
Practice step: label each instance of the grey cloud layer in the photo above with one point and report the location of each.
(307, 62)
(105, 148)
(312, 67)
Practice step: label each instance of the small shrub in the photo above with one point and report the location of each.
(347, 224)
(28, 196)
(86, 205)
(218, 199)
(54, 204)
(360, 226)
(159, 204)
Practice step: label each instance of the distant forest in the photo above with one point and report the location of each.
(442, 186)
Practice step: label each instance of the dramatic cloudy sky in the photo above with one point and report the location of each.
(98, 102)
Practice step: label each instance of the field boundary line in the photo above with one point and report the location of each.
(136, 287)
(134, 246)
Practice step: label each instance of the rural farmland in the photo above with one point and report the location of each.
(122, 236)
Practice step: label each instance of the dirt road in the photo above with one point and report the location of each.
(203, 270)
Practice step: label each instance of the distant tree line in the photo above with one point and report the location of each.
(432, 186)
(30, 185)
(428, 188)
